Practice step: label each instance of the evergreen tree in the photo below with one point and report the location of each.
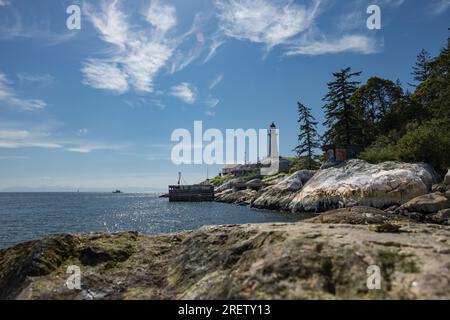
(341, 117)
(308, 137)
(422, 69)
(376, 101)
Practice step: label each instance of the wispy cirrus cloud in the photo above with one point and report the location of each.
(348, 43)
(185, 92)
(162, 17)
(291, 26)
(9, 96)
(139, 50)
(110, 22)
(216, 42)
(104, 75)
(14, 134)
(215, 82)
(92, 148)
(269, 22)
(182, 59)
(211, 103)
(190, 45)
(137, 54)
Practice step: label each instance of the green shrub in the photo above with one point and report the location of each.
(219, 180)
(378, 156)
(429, 142)
(298, 164)
(383, 149)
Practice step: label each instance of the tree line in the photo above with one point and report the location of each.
(387, 122)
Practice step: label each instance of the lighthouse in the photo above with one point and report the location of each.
(273, 142)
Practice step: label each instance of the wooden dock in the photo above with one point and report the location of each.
(191, 193)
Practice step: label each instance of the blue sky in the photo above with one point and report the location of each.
(94, 108)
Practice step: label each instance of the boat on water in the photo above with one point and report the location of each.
(117, 191)
(191, 193)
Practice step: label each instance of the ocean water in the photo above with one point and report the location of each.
(28, 216)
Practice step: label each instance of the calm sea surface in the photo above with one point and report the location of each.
(27, 216)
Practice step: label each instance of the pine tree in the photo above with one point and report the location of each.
(341, 116)
(308, 137)
(422, 68)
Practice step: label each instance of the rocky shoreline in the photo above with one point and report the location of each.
(412, 190)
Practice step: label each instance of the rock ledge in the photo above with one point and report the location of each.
(266, 261)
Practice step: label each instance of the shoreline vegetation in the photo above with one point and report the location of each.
(389, 208)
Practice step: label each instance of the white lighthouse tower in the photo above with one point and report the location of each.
(273, 142)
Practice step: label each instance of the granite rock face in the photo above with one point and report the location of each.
(353, 183)
(254, 184)
(241, 197)
(296, 181)
(227, 185)
(280, 195)
(267, 261)
(357, 182)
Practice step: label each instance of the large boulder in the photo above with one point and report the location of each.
(227, 185)
(273, 198)
(357, 182)
(280, 195)
(296, 181)
(428, 203)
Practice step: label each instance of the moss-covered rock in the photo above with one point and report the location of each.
(266, 261)
(33, 259)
